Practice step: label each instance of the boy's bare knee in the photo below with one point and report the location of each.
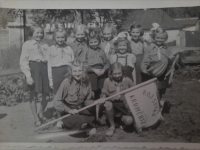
(128, 120)
(108, 106)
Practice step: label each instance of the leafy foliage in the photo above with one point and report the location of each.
(11, 90)
(9, 57)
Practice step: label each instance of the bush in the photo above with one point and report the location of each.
(11, 90)
(9, 58)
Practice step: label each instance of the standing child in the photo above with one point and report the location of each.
(33, 63)
(157, 58)
(97, 62)
(125, 57)
(79, 45)
(60, 58)
(107, 44)
(137, 47)
(73, 94)
(116, 83)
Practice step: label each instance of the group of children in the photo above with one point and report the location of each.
(95, 65)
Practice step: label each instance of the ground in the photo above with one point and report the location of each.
(181, 124)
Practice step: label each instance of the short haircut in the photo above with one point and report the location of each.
(123, 39)
(93, 35)
(111, 27)
(59, 31)
(84, 76)
(80, 27)
(116, 65)
(33, 28)
(159, 31)
(137, 26)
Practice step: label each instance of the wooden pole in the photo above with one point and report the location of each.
(24, 24)
(99, 101)
(82, 14)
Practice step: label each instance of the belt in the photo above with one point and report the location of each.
(31, 61)
(74, 106)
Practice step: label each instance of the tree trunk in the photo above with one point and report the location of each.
(24, 24)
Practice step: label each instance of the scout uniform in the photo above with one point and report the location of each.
(80, 50)
(74, 95)
(137, 49)
(108, 47)
(153, 56)
(33, 63)
(60, 58)
(111, 87)
(96, 59)
(127, 60)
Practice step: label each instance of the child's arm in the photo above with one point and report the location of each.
(60, 96)
(50, 68)
(24, 62)
(134, 75)
(106, 61)
(72, 53)
(133, 61)
(145, 62)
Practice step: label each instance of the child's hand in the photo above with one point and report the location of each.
(146, 72)
(29, 81)
(73, 111)
(97, 71)
(102, 72)
(51, 85)
(99, 101)
(108, 105)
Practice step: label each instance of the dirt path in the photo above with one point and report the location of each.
(180, 125)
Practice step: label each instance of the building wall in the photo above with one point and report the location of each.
(191, 28)
(16, 36)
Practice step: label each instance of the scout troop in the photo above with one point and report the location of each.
(93, 66)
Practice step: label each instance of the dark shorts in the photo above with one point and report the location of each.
(40, 77)
(74, 122)
(128, 72)
(121, 107)
(139, 75)
(58, 74)
(96, 82)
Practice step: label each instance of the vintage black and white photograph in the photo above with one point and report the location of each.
(100, 75)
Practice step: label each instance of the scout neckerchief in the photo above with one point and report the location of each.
(138, 43)
(79, 51)
(107, 49)
(79, 92)
(38, 43)
(62, 47)
(118, 86)
(159, 52)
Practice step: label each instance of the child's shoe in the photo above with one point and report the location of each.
(110, 131)
(92, 132)
(59, 124)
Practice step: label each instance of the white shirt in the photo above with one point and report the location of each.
(32, 50)
(59, 56)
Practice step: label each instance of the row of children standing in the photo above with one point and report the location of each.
(46, 67)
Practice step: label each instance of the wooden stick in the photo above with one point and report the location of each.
(173, 68)
(97, 102)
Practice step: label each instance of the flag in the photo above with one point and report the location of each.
(144, 104)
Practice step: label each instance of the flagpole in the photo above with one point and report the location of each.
(97, 102)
